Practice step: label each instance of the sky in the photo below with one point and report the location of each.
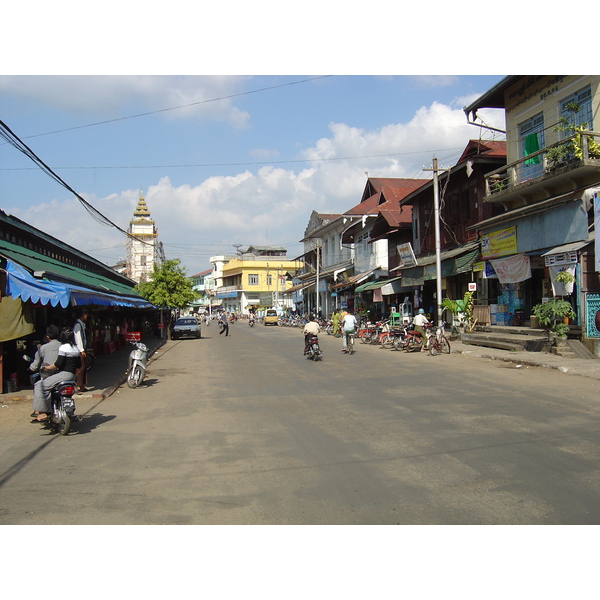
(237, 120)
(221, 160)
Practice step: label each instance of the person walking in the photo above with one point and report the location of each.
(80, 342)
(224, 324)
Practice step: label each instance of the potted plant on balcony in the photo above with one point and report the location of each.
(551, 315)
(571, 148)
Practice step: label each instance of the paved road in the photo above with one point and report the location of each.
(245, 430)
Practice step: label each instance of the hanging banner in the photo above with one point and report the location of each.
(596, 225)
(512, 270)
(499, 243)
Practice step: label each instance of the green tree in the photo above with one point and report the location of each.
(169, 286)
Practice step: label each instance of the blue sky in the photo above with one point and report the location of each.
(239, 159)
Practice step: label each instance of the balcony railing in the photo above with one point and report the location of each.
(572, 152)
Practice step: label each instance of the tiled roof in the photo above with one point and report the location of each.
(387, 195)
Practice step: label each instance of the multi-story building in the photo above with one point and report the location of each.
(381, 202)
(143, 248)
(549, 189)
(460, 194)
(322, 249)
(256, 279)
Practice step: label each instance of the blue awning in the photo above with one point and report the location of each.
(21, 284)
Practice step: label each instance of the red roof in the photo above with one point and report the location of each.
(385, 194)
(483, 148)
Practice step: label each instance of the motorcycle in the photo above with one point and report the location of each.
(314, 350)
(251, 321)
(62, 411)
(138, 358)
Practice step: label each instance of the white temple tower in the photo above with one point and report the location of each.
(145, 251)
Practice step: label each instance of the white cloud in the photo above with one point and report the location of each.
(273, 204)
(105, 95)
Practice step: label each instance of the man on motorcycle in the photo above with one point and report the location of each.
(310, 329)
(64, 368)
(46, 355)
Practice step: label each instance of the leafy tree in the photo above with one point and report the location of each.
(169, 286)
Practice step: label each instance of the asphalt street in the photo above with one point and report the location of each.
(245, 430)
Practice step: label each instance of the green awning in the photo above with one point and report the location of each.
(464, 262)
(59, 283)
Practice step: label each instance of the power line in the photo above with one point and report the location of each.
(161, 110)
(13, 140)
(241, 164)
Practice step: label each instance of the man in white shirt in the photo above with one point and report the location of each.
(81, 343)
(348, 325)
(419, 321)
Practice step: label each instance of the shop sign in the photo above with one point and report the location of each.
(407, 256)
(565, 258)
(478, 266)
(499, 243)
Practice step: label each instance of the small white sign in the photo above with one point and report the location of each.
(472, 287)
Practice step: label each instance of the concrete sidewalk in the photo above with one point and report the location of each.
(572, 366)
(104, 378)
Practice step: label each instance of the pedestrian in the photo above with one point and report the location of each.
(81, 343)
(44, 357)
(224, 324)
(348, 325)
(334, 321)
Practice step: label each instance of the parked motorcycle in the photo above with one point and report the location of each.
(314, 350)
(62, 411)
(138, 359)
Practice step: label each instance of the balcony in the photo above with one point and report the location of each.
(559, 168)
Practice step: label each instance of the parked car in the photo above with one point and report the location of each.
(185, 327)
(271, 317)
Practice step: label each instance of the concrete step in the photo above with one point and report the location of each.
(508, 339)
(579, 350)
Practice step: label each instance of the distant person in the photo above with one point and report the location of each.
(224, 324)
(81, 343)
(419, 322)
(311, 328)
(347, 325)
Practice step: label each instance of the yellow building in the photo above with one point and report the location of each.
(256, 280)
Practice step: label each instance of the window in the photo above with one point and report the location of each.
(253, 279)
(584, 115)
(531, 139)
(269, 279)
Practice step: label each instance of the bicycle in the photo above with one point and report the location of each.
(350, 342)
(437, 342)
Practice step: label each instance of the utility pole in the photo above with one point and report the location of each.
(436, 216)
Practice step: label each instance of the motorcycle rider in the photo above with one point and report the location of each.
(46, 355)
(67, 363)
(310, 329)
(419, 321)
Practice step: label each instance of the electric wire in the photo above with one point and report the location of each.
(16, 142)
